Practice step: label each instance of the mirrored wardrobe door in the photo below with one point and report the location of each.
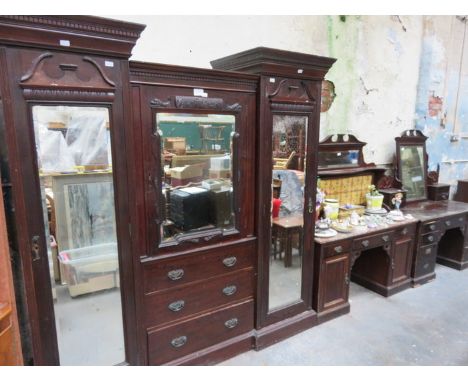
(77, 193)
(289, 137)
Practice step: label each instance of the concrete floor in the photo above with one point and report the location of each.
(421, 326)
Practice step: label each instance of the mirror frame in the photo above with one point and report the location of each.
(412, 138)
(208, 234)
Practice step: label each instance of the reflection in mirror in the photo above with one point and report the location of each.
(197, 159)
(289, 154)
(75, 172)
(412, 171)
(335, 159)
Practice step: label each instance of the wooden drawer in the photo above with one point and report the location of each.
(373, 241)
(337, 248)
(453, 222)
(179, 340)
(426, 259)
(178, 303)
(430, 238)
(179, 270)
(405, 231)
(430, 227)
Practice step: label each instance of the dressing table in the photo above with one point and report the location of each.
(442, 230)
(377, 258)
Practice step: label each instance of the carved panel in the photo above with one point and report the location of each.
(289, 91)
(61, 71)
(189, 102)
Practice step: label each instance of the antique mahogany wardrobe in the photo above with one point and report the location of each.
(64, 86)
(289, 97)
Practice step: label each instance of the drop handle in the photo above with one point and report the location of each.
(229, 290)
(311, 206)
(365, 243)
(176, 274)
(230, 261)
(339, 249)
(35, 248)
(430, 238)
(179, 341)
(346, 280)
(448, 223)
(176, 306)
(232, 323)
(432, 227)
(405, 231)
(385, 238)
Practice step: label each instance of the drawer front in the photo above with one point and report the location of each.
(430, 238)
(180, 270)
(338, 248)
(179, 340)
(453, 222)
(426, 260)
(430, 227)
(178, 303)
(405, 231)
(373, 241)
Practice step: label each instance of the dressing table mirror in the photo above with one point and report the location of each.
(411, 165)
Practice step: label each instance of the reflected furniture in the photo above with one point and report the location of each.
(378, 259)
(284, 230)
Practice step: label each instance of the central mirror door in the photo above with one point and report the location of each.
(288, 155)
(197, 190)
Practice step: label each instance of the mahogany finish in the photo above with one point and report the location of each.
(72, 60)
(290, 84)
(379, 259)
(442, 237)
(194, 297)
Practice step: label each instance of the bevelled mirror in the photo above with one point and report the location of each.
(288, 154)
(196, 188)
(412, 164)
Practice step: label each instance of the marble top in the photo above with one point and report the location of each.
(364, 232)
(430, 210)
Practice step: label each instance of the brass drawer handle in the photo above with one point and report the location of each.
(405, 231)
(444, 196)
(448, 223)
(339, 249)
(229, 290)
(365, 243)
(432, 227)
(179, 341)
(176, 274)
(230, 261)
(460, 219)
(428, 251)
(385, 238)
(232, 323)
(430, 238)
(176, 305)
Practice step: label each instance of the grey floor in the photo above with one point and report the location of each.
(420, 326)
(89, 328)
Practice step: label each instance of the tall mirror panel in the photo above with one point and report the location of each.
(75, 172)
(288, 155)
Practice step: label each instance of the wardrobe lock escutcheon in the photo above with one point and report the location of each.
(35, 248)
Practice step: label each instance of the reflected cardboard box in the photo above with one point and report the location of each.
(180, 176)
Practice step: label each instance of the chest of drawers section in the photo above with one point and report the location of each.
(195, 301)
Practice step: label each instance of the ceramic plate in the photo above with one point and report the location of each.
(327, 233)
(342, 229)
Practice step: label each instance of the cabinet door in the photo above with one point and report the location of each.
(402, 257)
(334, 282)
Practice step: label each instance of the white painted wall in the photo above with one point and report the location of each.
(375, 76)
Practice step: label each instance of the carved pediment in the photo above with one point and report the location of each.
(292, 91)
(59, 71)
